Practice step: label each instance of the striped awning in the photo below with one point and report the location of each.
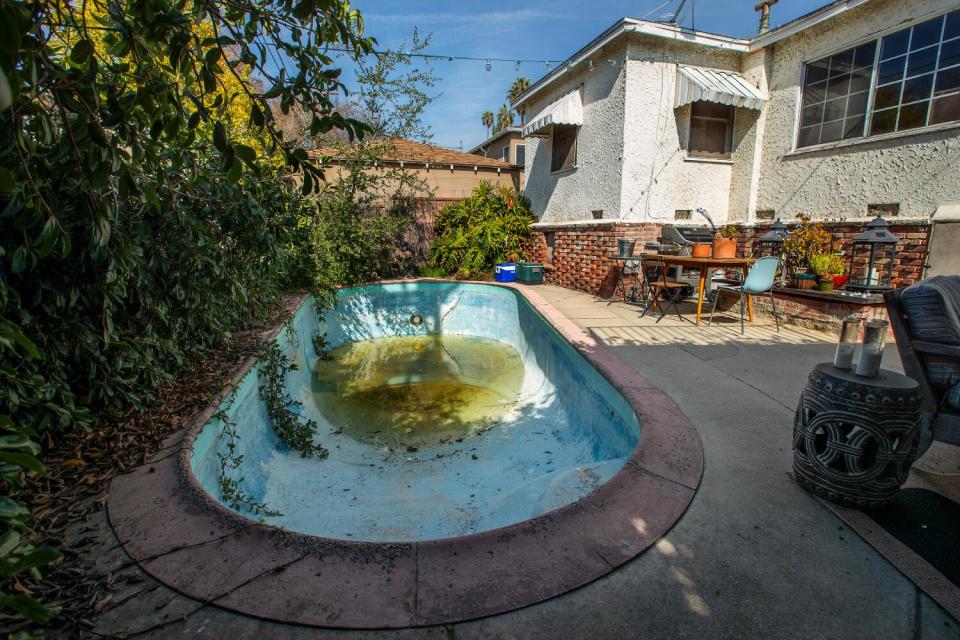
(566, 110)
(713, 85)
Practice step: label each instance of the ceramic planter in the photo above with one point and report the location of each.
(702, 250)
(804, 280)
(825, 283)
(724, 247)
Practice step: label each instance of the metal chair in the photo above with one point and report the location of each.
(760, 279)
(655, 284)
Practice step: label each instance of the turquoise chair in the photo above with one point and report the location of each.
(760, 280)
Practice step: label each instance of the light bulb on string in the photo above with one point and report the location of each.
(488, 66)
(517, 67)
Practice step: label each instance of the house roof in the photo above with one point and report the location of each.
(401, 150)
(499, 134)
(691, 36)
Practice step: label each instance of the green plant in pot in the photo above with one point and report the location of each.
(826, 266)
(801, 246)
(725, 242)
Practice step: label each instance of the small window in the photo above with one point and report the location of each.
(765, 214)
(521, 154)
(682, 214)
(711, 130)
(885, 210)
(505, 154)
(564, 154)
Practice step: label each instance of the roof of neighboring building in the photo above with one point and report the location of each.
(674, 32)
(499, 134)
(400, 150)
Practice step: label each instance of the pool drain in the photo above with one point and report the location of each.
(416, 320)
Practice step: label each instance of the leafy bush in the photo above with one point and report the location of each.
(805, 242)
(827, 264)
(139, 230)
(473, 235)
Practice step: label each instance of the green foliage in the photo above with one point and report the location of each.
(362, 221)
(504, 118)
(230, 464)
(519, 85)
(805, 242)
(297, 434)
(139, 229)
(730, 232)
(827, 264)
(476, 233)
(320, 346)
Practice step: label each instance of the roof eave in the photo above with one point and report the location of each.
(811, 19)
(495, 136)
(633, 25)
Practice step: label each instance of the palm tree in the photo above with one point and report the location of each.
(487, 119)
(504, 118)
(519, 85)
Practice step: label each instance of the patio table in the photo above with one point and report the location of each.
(704, 265)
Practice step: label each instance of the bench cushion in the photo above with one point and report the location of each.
(943, 371)
(933, 307)
(953, 397)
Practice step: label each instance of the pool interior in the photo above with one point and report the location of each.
(478, 416)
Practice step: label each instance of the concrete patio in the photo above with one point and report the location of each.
(753, 557)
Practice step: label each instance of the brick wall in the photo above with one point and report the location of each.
(581, 253)
(581, 262)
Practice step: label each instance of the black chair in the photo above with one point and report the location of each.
(656, 288)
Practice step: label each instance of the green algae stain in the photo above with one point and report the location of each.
(417, 391)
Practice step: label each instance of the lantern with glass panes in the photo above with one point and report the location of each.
(771, 243)
(871, 258)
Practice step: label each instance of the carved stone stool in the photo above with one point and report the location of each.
(855, 438)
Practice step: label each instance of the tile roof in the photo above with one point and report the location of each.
(400, 150)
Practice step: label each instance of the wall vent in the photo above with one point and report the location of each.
(766, 214)
(682, 214)
(885, 210)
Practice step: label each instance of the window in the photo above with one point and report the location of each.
(711, 130)
(564, 154)
(521, 154)
(505, 154)
(835, 93)
(918, 76)
(909, 79)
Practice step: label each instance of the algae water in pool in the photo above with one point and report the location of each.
(477, 416)
(417, 391)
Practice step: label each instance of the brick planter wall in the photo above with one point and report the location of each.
(581, 262)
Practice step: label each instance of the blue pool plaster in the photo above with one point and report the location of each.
(569, 432)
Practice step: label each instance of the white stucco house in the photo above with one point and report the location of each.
(851, 109)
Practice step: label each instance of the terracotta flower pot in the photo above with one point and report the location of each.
(724, 248)
(702, 250)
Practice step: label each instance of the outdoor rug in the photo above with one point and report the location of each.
(918, 532)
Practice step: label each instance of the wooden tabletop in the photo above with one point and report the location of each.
(692, 262)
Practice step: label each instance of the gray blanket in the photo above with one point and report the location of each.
(933, 307)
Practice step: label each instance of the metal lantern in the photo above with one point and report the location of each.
(773, 239)
(871, 258)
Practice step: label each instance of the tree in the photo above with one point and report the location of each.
(519, 85)
(144, 220)
(487, 119)
(504, 118)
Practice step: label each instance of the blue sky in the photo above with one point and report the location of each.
(537, 30)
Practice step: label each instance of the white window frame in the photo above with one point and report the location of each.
(868, 121)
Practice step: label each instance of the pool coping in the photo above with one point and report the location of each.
(181, 536)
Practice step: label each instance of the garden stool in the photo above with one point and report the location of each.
(854, 438)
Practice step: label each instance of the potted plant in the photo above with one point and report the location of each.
(725, 242)
(800, 246)
(826, 266)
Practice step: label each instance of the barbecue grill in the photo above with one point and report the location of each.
(679, 241)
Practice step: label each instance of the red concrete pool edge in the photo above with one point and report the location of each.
(181, 536)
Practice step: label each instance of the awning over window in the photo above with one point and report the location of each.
(566, 110)
(713, 85)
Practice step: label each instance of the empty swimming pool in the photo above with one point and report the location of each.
(447, 408)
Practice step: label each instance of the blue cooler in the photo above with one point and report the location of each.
(505, 272)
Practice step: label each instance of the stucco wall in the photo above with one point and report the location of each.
(443, 182)
(658, 178)
(918, 171)
(595, 183)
